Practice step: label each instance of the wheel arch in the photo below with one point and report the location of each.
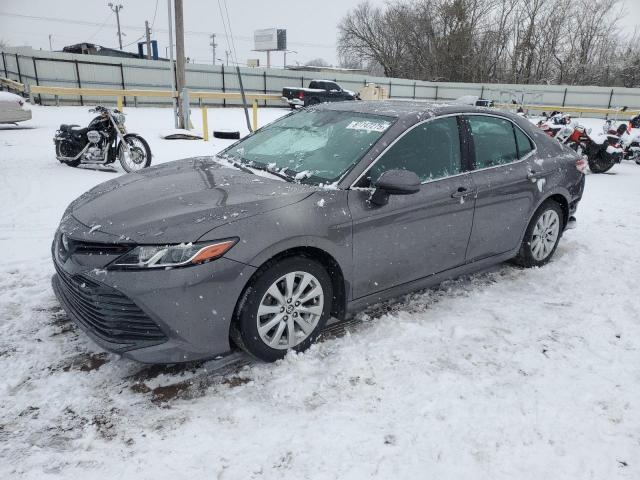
(559, 196)
(336, 274)
(561, 200)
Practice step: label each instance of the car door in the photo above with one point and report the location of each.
(334, 92)
(416, 235)
(502, 178)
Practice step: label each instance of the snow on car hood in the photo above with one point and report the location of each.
(178, 202)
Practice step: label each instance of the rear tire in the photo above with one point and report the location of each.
(542, 236)
(60, 152)
(284, 308)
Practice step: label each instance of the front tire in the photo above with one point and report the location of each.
(284, 308)
(542, 236)
(140, 153)
(598, 163)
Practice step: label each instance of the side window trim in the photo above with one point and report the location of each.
(463, 159)
(472, 151)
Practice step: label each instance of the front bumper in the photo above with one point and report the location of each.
(175, 315)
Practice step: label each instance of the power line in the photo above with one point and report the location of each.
(233, 43)
(226, 34)
(153, 22)
(100, 28)
(243, 38)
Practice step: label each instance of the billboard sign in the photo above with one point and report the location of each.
(270, 39)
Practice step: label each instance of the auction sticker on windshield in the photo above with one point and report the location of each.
(368, 126)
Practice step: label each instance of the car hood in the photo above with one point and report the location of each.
(178, 202)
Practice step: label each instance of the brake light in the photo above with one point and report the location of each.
(301, 95)
(581, 165)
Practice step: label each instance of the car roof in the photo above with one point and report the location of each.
(408, 110)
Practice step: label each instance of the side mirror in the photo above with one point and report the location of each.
(394, 182)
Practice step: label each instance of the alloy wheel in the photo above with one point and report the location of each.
(290, 310)
(545, 235)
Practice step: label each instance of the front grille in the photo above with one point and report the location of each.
(66, 246)
(107, 313)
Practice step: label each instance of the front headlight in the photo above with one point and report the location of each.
(171, 256)
(120, 118)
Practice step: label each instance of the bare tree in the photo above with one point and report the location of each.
(317, 62)
(521, 41)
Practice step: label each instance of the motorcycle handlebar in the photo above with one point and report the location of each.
(101, 109)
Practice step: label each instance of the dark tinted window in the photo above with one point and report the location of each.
(494, 141)
(524, 143)
(431, 150)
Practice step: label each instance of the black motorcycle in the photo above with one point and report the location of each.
(103, 142)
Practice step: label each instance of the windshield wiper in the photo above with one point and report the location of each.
(249, 167)
(241, 167)
(281, 175)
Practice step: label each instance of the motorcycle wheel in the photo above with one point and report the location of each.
(598, 163)
(140, 153)
(62, 151)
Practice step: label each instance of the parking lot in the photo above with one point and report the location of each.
(528, 373)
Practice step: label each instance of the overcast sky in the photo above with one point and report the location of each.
(311, 26)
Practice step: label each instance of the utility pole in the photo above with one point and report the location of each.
(147, 32)
(172, 66)
(180, 77)
(116, 9)
(50, 47)
(213, 47)
(227, 53)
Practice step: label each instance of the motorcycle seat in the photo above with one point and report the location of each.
(73, 129)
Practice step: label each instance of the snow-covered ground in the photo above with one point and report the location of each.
(509, 374)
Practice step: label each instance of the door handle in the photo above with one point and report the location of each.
(532, 175)
(461, 192)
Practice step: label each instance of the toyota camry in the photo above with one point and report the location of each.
(312, 217)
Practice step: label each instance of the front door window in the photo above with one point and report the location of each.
(430, 150)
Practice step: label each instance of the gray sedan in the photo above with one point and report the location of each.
(314, 216)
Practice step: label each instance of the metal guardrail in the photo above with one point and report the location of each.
(120, 93)
(12, 84)
(580, 110)
(98, 92)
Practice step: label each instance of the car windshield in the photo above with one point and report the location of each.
(314, 146)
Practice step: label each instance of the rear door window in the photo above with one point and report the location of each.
(494, 141)
(525, 146)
